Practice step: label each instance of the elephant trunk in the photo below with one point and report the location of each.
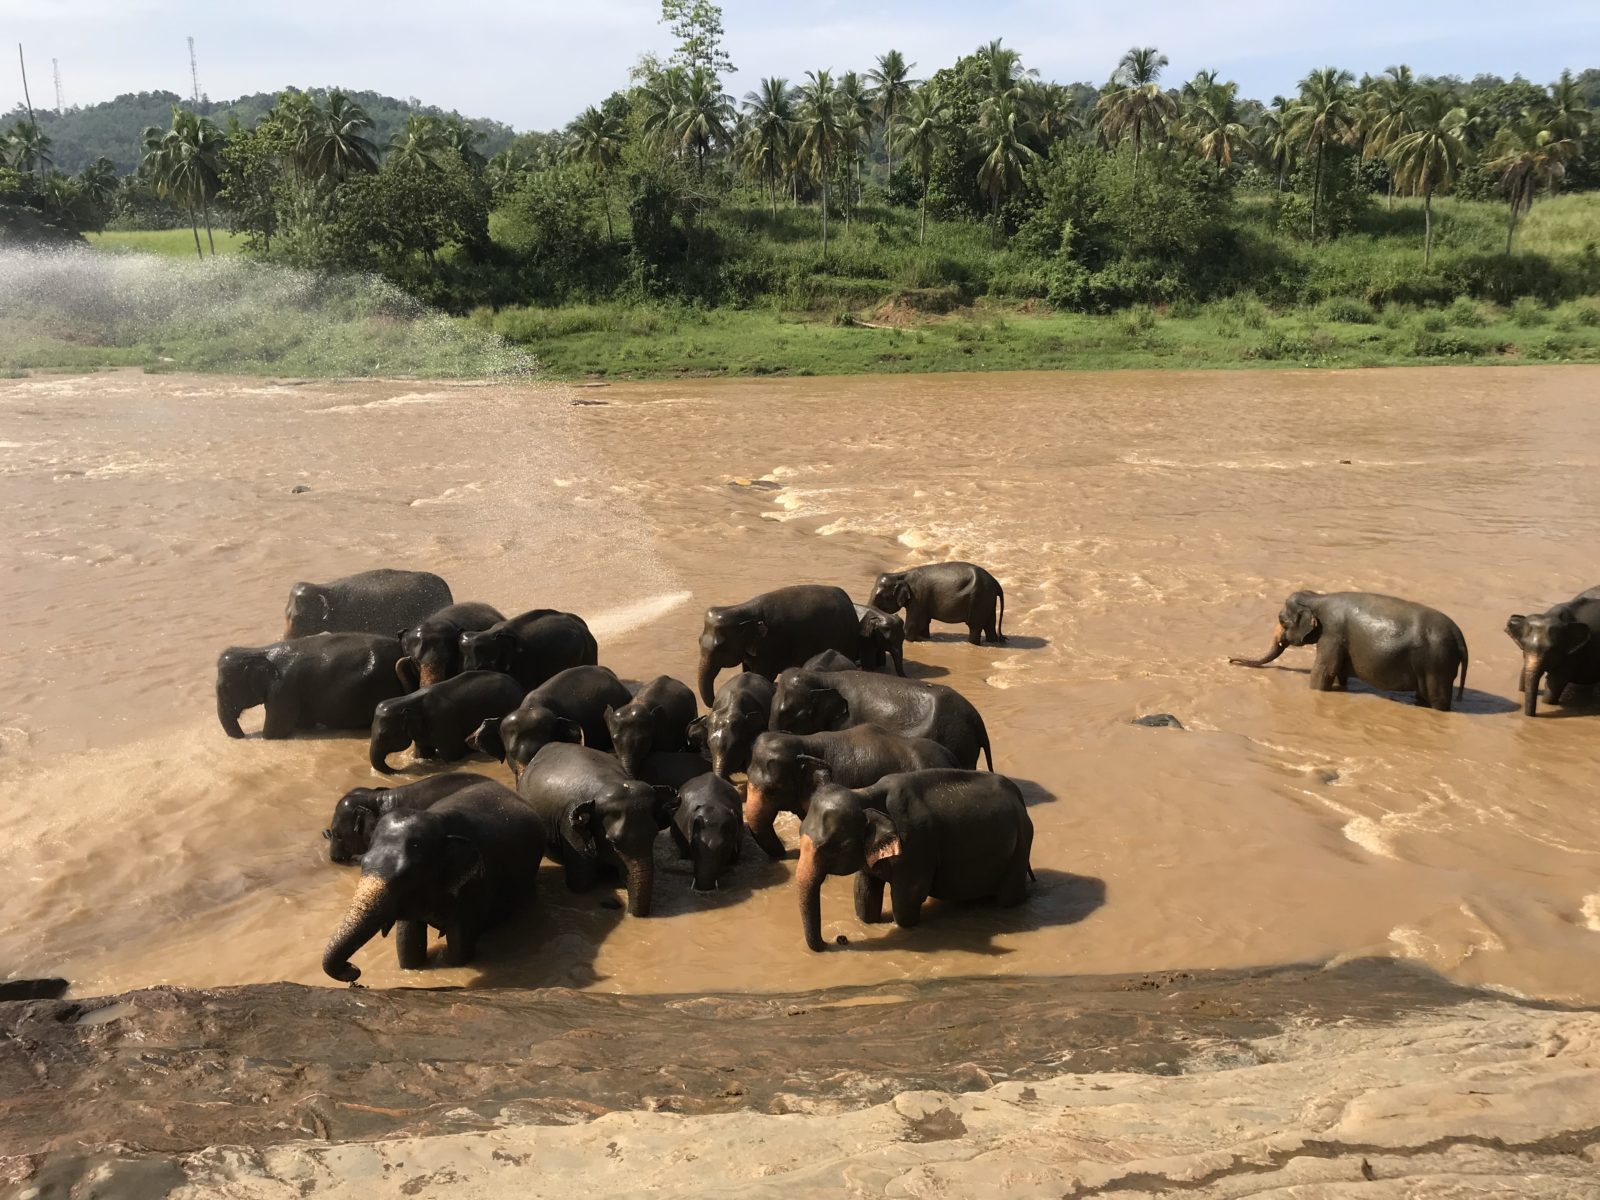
(371, 911)
(641, 873)
(1279, 644)
(808, 878)
(706, 868)
(708, 679)
(228, 714)
(1532, 675)
(433, 671)
(411, 678)
(378, 754)
(897, 656)
(759, 815)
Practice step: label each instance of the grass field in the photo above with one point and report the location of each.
(174, 243)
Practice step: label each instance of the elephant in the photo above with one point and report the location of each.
(882, 638)
(831, 660)
(433, 646)
(951, 835)
(775, 630)
(956, 593)
(817, 701)
(460, 866)
(595, 817)
(1390, 644)
(439, 718)
(706, 827)
(356, 813)
(672, 768)
(784, 768)
(656, 718)
(331, 680)
(371, 602)
(740, 711)
(531, 647)
(1559, 646)
(567, 707)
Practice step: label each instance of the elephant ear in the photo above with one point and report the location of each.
(582, 818)
(1517, 627)
(486, 737)
(1572, 635)
(568, 730)
(259, 673)
(813, 771)
(699, 734)
(611, 718)
(463, 862)
(758, 629)
(883, 841)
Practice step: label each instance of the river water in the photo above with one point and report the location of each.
(1145, 525)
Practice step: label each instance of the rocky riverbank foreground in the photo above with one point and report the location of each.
(1369, 1080)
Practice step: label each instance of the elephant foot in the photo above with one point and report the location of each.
(997, 639)
(411, 944)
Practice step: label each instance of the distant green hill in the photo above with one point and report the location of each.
(111, 129)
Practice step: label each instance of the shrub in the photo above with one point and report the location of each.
(1348, 311)
(1468, 314)
(1433, 322)
(1527, 313)
(1141, 319)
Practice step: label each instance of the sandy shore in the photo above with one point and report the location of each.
(1370, 1079)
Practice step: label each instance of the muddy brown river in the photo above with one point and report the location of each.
(1145, 525)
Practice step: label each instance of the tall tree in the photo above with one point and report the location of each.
(769, 138)
(1324, 115)
(820, 132)
(1211, 119)
(1274, 139)
(1386, 114)
(921, 136)
(28, 146)
(1003, 139)
(1528, 157)
(1003, 72)
(463, 137)
(596, 139)
(1428, 158)
(420, 143)
(1135, 106)
(1051, 111)
(855, 128)
(703, 116)
(697, 24)
(891, 91)
(185, 164)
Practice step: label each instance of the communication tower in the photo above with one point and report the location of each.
(60, 104)
(194, 74)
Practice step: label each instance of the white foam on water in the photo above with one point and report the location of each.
(388, 402)
(616, 621)
(1591, 911)
(1370, 836)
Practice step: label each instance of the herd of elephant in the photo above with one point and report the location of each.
(881, 769)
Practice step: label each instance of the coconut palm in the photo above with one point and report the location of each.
(420, 143)
(1386, 114)
(820, 132)
(891, 92)
(702, 116)
(1528, 157)
(100, 182)
(329, 142)
(185, 163)
(1568, 117)
(920, 136)
(1004, 137)
(596, 138)
(855, 127)
(1004, 72)
(1428, 158)
(1135, 107)
(1051, 110)
(1324, 114)
(769, 140)
(462, 137)
(504, 171)
(1273, 139)
(1211, 119)
(659, 98)
(28, 147)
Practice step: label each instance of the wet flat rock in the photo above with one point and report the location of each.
(1083, 1087)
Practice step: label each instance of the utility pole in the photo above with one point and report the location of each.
(194, 74)
(38, 159)
(55, 65)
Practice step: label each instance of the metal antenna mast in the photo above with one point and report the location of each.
(61, 105)
(194, 73)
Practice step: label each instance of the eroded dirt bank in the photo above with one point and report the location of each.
(1217, 1084)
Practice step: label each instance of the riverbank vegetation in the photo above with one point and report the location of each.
(884, 211)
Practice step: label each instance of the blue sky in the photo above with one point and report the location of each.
(533, 63)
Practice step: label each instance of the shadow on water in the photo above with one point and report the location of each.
(1055, 898)
(1014, 641)
(1473, 703)
(917, 670)
(1033, 794)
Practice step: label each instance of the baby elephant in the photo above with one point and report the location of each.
(951, 835)
(883, 637)
(349, 833)
(1390, 644)
(707, 829)
(372, 602)
(657, 718)
(738, 713)
(1558, 646)
(439, 718)
(568, 707)
(956, 593)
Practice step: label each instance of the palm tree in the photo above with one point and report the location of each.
(1324, 113)
(1212, 120)
(420, 143)
(504, 171)
(1136, 106)
(185, 163)
(29, 147)
(659, 99)
(920, 137)
(1273, 138)
(855, 126)
(1528, 157)
(1568, 116)
(1050, 110)
(820, 132)
(596, 138)
(770, 132)
(1003, 138)
(327, 143)
(702, 115)
(1386, 114)
(891, 92)
(1005, 73)
(462, 137)
(1428, 158)
(100, 181)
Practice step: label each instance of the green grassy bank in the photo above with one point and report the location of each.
(170, 243)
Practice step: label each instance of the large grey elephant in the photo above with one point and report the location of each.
(381, 601)
(775, 630)
(958, 593)
(815, 701)
(327, 680)
(1390, 644)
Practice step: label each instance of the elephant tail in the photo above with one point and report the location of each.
(1000, 621)
(988, 752)
(1461, 687)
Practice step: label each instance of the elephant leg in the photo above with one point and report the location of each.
(283, 719)
(411, 944)
(1325, 669)
(581, 876)
(461, 942)
(1014, 887)
(682, 842)
(1555, 686)
(975, 634)
(991, 625)
(906, 901)
(869, 898)
(916, 625)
